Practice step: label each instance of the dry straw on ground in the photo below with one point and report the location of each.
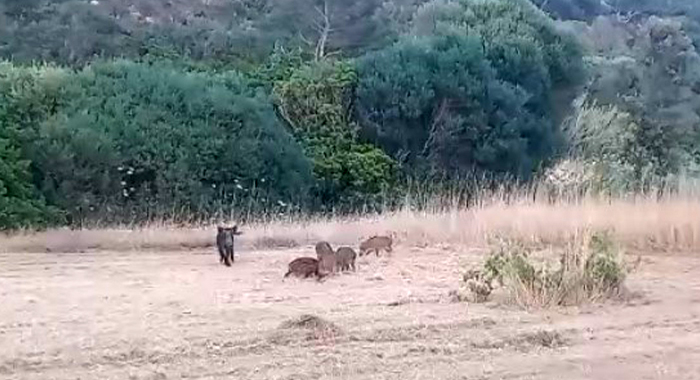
(307, 327)
(641, 224)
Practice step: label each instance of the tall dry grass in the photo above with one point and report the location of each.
(660, 224)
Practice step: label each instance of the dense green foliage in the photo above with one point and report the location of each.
(123, 140)
(316, 102)
(470, 90)
(237, 108)
(23, 103)
(19, 204)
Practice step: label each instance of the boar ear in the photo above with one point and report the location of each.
(221, 229)
(235, 230)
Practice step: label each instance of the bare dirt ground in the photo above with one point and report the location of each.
(165, 315)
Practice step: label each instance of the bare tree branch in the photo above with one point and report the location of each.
(306, 40)
(324, 32)
(334, 52)
(438, 117)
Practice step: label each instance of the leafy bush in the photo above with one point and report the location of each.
(316, 102)
(25, 98)
(590, 268)
(19, 204)
(604, 270)
(127, 142)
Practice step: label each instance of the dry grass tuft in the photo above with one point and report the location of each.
(311, 326)
(543, 338)
(525, 341)
(307, 321)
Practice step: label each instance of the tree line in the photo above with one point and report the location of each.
(243, 109)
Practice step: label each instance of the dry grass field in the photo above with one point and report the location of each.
(155, 303)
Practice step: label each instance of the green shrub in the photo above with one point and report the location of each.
(20, 206)
(316, 102)
(129, 142)
(590, 268)
(604, 269)
(26, 97)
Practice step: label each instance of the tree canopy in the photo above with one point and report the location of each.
(469, 89)
(123, 112)
(122, 138)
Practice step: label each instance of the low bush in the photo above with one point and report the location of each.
(590, 269)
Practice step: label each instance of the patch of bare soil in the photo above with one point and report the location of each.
(166, 315)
